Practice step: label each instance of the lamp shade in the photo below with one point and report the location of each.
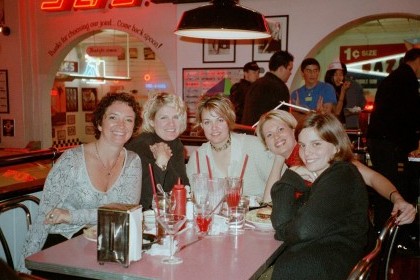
(224, 19)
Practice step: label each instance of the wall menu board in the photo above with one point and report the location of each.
(200, 81)
(4, 92)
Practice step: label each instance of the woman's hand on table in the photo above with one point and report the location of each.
(57, 216)
(407, 211)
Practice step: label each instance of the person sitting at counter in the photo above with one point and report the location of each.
(227, 153)
(276, 131)
(89, 176)
(325, 230)
(164, 119)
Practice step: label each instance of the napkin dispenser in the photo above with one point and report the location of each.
(119, 233)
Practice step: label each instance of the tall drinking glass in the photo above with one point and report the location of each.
(203, 218)
(171, 223)
(233, 191)
(216, 189)
(165, 205)
(199, 188)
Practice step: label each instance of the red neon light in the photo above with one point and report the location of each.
(66, 5)
(89, 4)
(125, 3)
(57, 5)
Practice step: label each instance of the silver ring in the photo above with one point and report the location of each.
(51, 216)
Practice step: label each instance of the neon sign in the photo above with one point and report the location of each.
(67, 5)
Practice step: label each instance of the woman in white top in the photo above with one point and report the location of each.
(89, 176)
(226, 152)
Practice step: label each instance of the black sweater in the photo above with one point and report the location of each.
(325, 230)
(168, 178)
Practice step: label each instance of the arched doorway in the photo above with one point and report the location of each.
(385, 29)
(106, 61)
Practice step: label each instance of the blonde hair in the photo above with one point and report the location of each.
(219, 104)
(331, 130)
(277, 115)
(156, 102)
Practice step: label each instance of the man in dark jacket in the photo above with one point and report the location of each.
(238, 90)
(394, 126)
(267, 92)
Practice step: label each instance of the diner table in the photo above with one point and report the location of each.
(226, 256)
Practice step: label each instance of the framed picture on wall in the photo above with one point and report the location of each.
(72, 104)
(263, 49)
(88, 117)
(89, 99)
(199, 81)
(89, 130)
(71, 130)
(71, 119)
(61, 134)
(4, 92)
(219, 51)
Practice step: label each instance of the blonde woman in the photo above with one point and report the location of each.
(164, 119)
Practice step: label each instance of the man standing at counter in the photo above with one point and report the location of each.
(394, 127)
(268, 91)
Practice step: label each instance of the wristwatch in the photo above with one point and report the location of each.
(162, 166)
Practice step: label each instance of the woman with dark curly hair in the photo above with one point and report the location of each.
(89, 176)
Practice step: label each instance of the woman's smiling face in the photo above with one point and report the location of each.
(167, 123)
(279, 137)
(215, 127)
(315, 152)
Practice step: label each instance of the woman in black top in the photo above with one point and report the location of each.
(324, 230)
(164, 119)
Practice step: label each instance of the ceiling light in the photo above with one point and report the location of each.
(223, 19)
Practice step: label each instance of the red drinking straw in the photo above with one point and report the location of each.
(208, 167)
(244, 166)
(197, 161)
(152, 179)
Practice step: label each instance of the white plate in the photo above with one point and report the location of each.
(260, 224)
(90, 233)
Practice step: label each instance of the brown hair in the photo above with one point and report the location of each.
(329, 128)
(107, 101)
(219, 104)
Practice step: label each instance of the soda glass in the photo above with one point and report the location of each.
(199, 188)
(165, 205)
(216, 189)
(233, 191)
(171, 223)
(202, 218)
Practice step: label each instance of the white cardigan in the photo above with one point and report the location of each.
(260, 162)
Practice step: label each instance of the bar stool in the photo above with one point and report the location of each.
(14, 203)
(376, 262)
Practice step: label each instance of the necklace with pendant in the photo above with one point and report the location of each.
(222, 148)
(109, 171)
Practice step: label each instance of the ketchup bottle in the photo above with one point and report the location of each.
(179, 194)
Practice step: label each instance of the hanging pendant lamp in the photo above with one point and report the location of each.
(223, 19)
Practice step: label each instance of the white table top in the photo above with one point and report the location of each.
(220, 257)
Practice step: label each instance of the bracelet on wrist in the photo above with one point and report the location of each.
(162, 166)
(391, 193)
